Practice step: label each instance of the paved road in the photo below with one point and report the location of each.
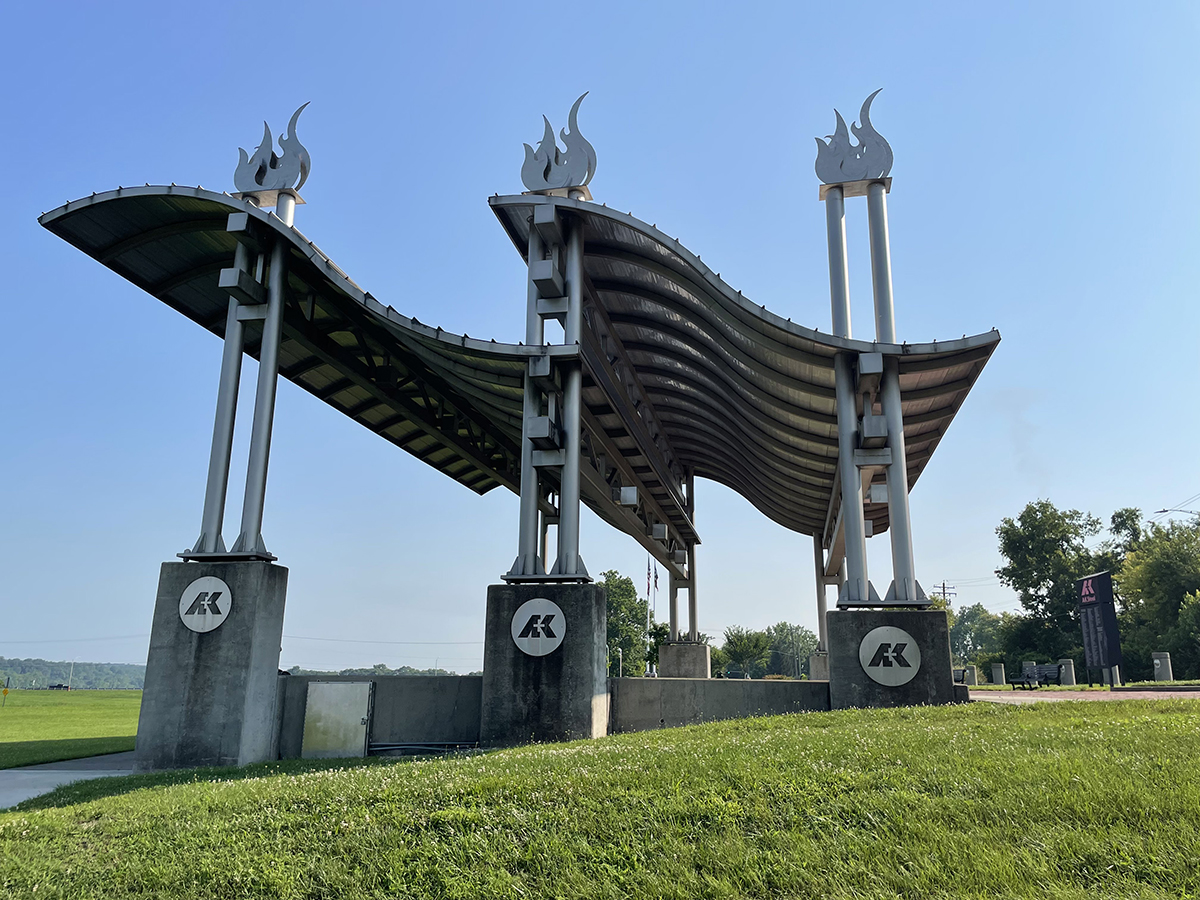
(31, 781)
(1038, 695)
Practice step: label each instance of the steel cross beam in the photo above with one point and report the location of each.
(498, 459)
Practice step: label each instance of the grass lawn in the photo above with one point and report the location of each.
(1051, 800)
(45, 726)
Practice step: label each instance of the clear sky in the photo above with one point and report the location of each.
(1044, 184)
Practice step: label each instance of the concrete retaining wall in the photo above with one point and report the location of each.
(642, 704)
(409, 709)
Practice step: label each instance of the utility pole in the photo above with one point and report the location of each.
(71, 677)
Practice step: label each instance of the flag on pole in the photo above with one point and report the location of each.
(647, 576)
(656, 578)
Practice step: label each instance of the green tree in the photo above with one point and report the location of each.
(747, 651)
(1156, 581)
(660, 633)
(790, 646)
(1046, 551)
(975, 632)
(626, 617)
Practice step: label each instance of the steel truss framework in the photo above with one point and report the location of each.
(682, 377)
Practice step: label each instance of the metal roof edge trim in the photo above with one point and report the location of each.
(319, 258)
(710, 277)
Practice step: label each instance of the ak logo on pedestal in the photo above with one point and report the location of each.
(205, 604)
(538, 626)
(889, 656)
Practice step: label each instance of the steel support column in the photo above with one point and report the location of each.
(900, 527)
(689, 483)
(217, 486)
(903, 568)
(881, 263)
(839, 273)
(251, 540)
(285, 208)
(855, 588)
(528, 561)
(569, 563)
(822, 608)
(673, 593)
(693, 607)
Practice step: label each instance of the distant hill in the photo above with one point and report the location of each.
(39, 673)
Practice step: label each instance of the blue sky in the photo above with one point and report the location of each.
(1043, 185)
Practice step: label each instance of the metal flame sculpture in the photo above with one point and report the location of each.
(265, 171)
(548, 168)
(840, 160)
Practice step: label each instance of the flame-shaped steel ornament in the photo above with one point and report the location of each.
(265, 171)
(548, 168)
(841, 160)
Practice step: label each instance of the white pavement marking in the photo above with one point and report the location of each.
(23, 783)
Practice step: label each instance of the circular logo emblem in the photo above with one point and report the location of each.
(205, 604)
(538, 626)
(889, 655)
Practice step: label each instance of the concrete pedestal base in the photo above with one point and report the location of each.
(1162, 667)
(889, 657)
(559, 696)
(818, 666)
(210, 698)
(1067, 674)
(684, 659)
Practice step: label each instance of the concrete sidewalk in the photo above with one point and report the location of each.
(1037, 695)
(32, 781)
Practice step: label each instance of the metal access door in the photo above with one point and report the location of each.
(337, 719)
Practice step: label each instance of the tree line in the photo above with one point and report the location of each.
(32, 674)
(780, 651)
(1156, 581)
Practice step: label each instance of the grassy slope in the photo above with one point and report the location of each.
(1052, 800)
(44, 726)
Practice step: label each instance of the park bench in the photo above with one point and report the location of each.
(1035, 676)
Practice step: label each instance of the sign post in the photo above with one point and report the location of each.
(1098, 617)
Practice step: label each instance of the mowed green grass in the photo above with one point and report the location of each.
(46, 726)
(1053, 800)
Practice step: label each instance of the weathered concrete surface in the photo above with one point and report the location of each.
(642, 704)
(557, 697)
(408, 709)
(210, 699)
(20, 784)
(849, 684)
(818, 666)
(684, 659)
(998, 673)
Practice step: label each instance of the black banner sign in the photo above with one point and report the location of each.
(1098, 615)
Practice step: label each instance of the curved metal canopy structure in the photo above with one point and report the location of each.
(682, 374)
